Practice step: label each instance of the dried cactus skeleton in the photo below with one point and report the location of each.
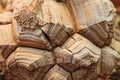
(58, 40)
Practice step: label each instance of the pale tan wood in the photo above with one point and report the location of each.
(11, 4)
(28, 31)
(81, 52)
(115, 45)
(58, 13)
(30, 58)
(57, 73)
(52, 16)
(57, 33)
(7, 35)
(86, 14)
(5, 17)
(110, 58)
(34, 63)
(34, 38)
(93, 21)
(49, 11)
(109, 10)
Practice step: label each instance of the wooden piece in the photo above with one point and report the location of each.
(87, 14)
(93, 21)
(99, 34)
(30, 58)
(57, 33)
(52, 16)
(57, 73)
(29, 63)
(7, 35)
(43, 40)
(5, 17)
(34, 38)
(77, 51)
(109, 60)
(109, 10)
(85, 73)
(29, 32)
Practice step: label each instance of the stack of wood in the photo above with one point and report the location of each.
(58, 40)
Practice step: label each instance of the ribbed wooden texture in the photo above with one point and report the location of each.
(78, 52)
(115, 44)
(25, 60)
(58, 40)
(93, 21)
(57, 73)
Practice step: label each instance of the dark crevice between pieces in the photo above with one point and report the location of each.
(2, 77)
(63, 1)
(48, 70)
(115, 75)
(5, 23)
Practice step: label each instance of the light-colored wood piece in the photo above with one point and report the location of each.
(80, 53)
(7, 35)
(57, 73)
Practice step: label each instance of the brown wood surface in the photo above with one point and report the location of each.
(58, 39)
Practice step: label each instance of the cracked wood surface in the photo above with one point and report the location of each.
(58, 40)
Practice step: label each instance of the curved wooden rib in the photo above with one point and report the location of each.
(93, 21)
(87, 14)
(30, 58)
(108, 61)
(57, 33)
(28, 30)
(35, 39)
(30, 63)
(52, 16)
(78, 52)
(57, 73)
(57, 13)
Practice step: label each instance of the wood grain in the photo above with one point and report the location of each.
(29, 63)
(58, 40)
(78, 52)
(7, 35)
